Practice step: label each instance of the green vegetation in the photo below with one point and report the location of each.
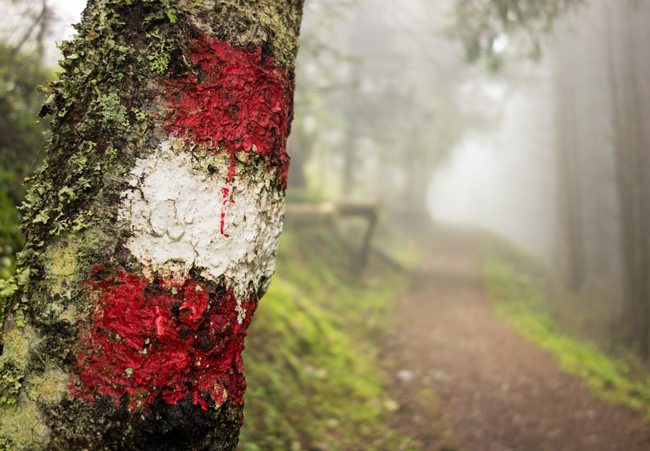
(22, 134)
(520, 295)
(311, 358)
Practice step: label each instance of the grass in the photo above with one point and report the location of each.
(311, 362)
(520, 294)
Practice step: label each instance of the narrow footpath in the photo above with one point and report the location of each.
(495, 390)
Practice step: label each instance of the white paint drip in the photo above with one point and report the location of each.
(174, 211)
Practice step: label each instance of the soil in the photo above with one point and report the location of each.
(466, 381)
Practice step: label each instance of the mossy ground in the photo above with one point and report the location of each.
(314, 380)
(520, 292)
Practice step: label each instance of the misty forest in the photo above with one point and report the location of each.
(325, 225)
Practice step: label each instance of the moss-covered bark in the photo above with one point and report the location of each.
(112, 108)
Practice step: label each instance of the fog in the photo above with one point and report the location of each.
(502, 178)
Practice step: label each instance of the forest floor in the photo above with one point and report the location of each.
(456, 367)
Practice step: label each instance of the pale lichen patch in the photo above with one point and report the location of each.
(49, 387)
(60, 262)
(24, 425)
(21, 421)
(69, 315)
(17, 344)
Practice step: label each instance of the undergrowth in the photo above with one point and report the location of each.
(519, 294)
(311, 363)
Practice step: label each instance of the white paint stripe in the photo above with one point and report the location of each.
(174, 213)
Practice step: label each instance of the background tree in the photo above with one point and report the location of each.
(629, 68)
(601, 142)
(124, 324)
(602, 157)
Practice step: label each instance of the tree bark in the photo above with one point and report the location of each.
(152, 229)
(569, 199)
(630, 96)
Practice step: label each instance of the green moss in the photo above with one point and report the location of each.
(311, 362)
(11, 379)
(7, 289)
(112, 109)
(13, 364)
(159, 59)
(140, 116)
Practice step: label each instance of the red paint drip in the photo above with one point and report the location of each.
(238, 102)
(225, 194)
(178, 339)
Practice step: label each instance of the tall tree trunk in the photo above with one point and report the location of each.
(569, 200)
(152, 229)
(414, 197)
(351, 140)
(631, 140)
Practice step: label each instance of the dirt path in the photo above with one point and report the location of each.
(497, 391)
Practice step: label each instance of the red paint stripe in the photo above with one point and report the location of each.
(237, 101)
(176, 338)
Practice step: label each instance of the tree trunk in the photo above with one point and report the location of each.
(350, 159)
(628, 74)
(152, 229)
(569, 199)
